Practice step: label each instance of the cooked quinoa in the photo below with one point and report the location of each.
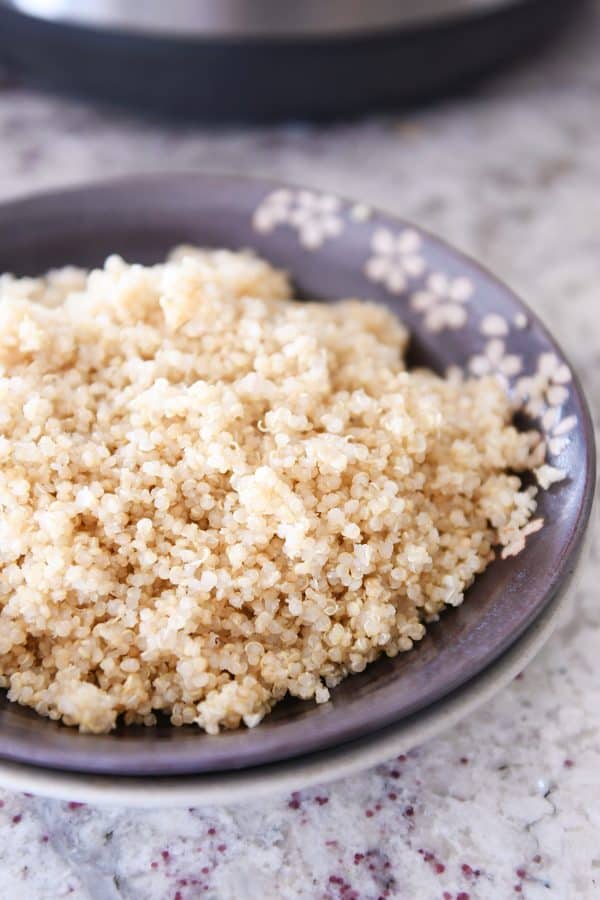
(212, 496)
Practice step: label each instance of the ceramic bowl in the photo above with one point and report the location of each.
(459, 316)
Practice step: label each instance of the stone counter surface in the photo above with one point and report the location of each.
(507, 803)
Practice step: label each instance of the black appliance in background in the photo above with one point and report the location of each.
(254, 60)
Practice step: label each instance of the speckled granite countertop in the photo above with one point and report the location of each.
(508, 803)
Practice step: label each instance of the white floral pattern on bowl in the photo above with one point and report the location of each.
(546, 387)
(557, 429)
(395, 259)
(494, 325)
(442, 301)
(315, 217)
(495, 360)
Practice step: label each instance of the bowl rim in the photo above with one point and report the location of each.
(185, 759)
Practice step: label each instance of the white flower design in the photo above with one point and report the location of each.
(494, 360)
(557, 429)
(520, 321)
(395, 259)
(443, 301)
(546, 387)
(314, 216)
(494, 325)
(360, 212)
(274, 210)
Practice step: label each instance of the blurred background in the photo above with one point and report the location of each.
(480, 121)
(477, 119)
(267, 59)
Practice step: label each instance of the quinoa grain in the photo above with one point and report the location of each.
(211, 496)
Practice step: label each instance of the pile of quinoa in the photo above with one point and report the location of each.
(212, 495)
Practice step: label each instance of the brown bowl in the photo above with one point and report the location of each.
(461, 316)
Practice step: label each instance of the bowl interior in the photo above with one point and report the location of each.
(333, 249)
